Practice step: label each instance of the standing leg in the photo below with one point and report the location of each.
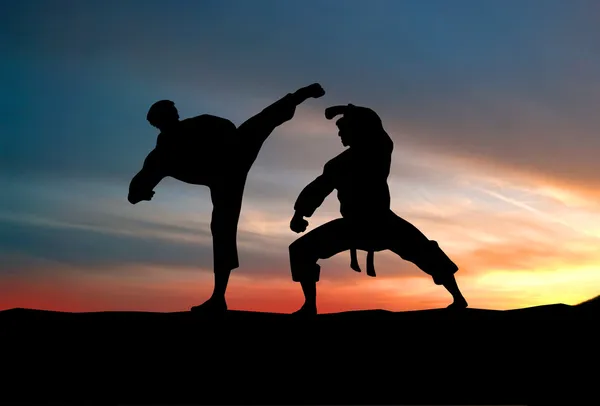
(228, 196)
(412, 245)
(227, 204)
(321, 243)
(451, 286)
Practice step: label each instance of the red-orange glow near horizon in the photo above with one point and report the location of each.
(492, 290)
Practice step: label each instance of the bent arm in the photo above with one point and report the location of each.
(315, 193)
(145, 180)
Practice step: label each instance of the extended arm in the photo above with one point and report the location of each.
(311, 197)
(314, 194)
(143, 183)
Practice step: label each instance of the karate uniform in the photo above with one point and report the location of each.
(359, 174)
(211, 151)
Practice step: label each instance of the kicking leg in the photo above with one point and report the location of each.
(309, 289)
(254, 131)
(321, 243)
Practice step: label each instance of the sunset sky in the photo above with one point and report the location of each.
(493, 107)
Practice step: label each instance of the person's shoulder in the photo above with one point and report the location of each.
(338, 160)
(379, 145)
(153, 157)
(209, 120)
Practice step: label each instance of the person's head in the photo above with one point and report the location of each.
(357, 124)
(163, 114)
(346, 131)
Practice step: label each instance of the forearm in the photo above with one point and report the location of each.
(141, 187)
(311, 198)
(144, 182)
(301, 209)
(298, 215)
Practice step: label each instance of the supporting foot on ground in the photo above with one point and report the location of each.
(211, 306)
(458, 304)
(306, 311)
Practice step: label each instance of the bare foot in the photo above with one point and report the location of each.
(212, 306)
(459, 304)
(306, 311)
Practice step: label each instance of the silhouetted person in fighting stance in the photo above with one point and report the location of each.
(360, 176)
(211, 151)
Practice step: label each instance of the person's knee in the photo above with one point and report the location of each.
(442, 268)
(303, 250)
(440, 258)
(303, 262)
(225, 268)
(431, 259)
(217, 226)
(297, 249)
(224, 229)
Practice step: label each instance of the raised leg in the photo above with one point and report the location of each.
(255, 131)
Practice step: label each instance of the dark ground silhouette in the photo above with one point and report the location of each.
(210, 151)
(359, 174)
(540, 355)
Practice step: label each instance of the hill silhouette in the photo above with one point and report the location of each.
(524, 356)
(594, 302)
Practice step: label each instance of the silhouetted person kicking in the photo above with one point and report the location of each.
(210, 151)
(360, 176)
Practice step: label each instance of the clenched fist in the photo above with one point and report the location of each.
(331, 112)
(298, 224)
(136, 196)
